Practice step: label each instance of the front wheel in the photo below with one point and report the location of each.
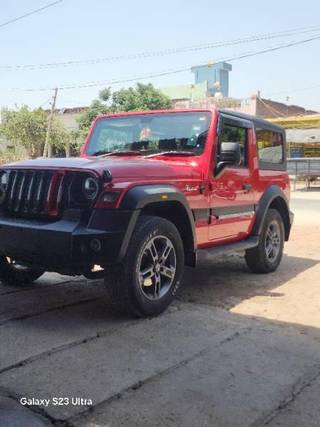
(145, 283)
(266, 257)
(13, 273)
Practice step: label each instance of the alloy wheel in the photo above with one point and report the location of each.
(273, 241)
(157, 266)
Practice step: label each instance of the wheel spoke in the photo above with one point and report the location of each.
(157, 285)
(269, 233)
(153, 252)
(166, 252)
(269, 250)
(147, 273)
(168, 271)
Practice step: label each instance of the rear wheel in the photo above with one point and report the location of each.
(145, 283)
(266, 257)
(15, 273)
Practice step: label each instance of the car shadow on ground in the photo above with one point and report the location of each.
(223, 283)
(227, 280)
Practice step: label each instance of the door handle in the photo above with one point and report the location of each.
(247, 187)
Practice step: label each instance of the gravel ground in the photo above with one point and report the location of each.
(235, 349)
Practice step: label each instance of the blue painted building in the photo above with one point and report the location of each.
(216, 76)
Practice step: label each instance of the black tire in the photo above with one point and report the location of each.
(264, 259)
(129, 291)
(15, 274)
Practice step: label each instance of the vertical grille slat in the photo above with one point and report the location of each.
(34, 193)
(21, 188)
(39, 195)
(12, 188)
(28, 202)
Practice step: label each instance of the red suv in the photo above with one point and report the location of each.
(152, 192)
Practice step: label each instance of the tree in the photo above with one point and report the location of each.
(97, 107)
(28, 128)
(139, 98)
(143, 97)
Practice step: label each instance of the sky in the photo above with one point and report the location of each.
(81, 30)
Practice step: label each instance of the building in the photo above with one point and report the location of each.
(256, 105)
(68, 117)
(303, 135)
(216, 77)
(210, 80)
(211, 89)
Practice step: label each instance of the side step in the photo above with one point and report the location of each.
(208, 253)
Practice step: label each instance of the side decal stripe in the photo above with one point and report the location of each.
(223, 212)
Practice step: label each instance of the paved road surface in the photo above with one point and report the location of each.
(236, 349)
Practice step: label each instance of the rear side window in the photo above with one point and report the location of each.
(270, 146)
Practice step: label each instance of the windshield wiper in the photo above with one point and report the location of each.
(117, 153)
(173, 153)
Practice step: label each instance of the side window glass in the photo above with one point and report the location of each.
(237, 134)
(270, 146)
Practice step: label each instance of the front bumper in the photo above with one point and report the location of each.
(65, 245)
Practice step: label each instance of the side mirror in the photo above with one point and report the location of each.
(230, 154)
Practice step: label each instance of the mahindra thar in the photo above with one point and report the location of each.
(151, 192)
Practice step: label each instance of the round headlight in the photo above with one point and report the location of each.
(4, 180)
(90, 188)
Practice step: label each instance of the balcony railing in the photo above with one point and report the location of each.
(304, 169)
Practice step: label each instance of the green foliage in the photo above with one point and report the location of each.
(143, 97)
(27, 128)
(139, 98)
(97, 107)
(105, 94)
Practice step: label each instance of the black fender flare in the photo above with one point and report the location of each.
(139, 197)
(271, 194)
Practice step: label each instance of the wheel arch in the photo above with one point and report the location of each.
(165, 201)
(273, 198)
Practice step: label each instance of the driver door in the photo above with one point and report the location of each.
(231, 190)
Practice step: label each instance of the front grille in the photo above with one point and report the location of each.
(34, 192)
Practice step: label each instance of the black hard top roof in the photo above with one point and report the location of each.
(258, 121)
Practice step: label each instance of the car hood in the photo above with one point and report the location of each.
(120, 167)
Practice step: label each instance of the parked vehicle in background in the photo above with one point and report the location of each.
(151, 193)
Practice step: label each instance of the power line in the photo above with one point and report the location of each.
(164, 52)
(288, 92)
(44, 103)
(175, 71)
(32, 12)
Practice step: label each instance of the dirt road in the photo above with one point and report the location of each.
(236, 349)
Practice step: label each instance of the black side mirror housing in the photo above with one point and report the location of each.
(230, 155)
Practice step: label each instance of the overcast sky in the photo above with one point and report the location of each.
(79, 29)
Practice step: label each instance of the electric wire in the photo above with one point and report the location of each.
(172, 71)
(164, 52)
(32, 12)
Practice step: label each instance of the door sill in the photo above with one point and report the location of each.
(242, 245)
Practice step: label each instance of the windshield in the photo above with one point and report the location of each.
(150, 134)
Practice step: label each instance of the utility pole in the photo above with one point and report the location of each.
(47, 150)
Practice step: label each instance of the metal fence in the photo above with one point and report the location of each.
(304, 169)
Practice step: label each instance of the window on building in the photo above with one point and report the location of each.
(237, 134)
(270, 146)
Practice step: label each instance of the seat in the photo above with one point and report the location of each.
(167, 144)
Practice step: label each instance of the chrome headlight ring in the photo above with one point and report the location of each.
(90, 188)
